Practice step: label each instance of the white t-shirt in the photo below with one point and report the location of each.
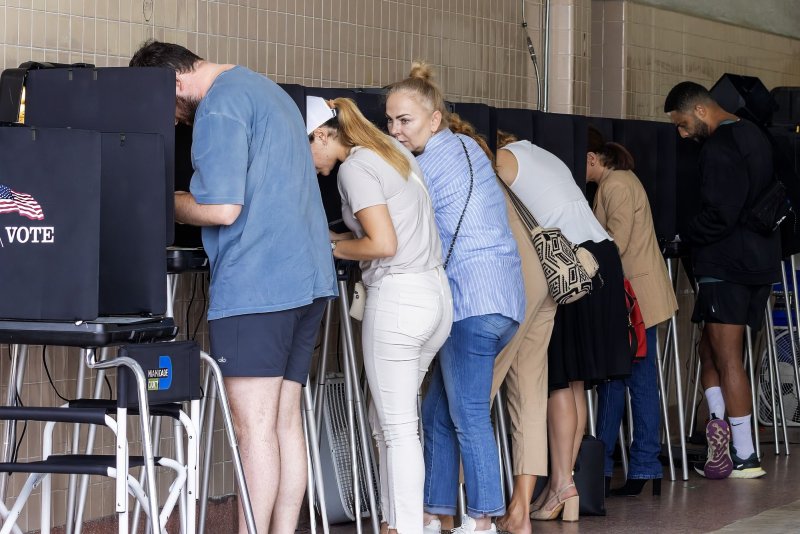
(366, 180)
(546, 187)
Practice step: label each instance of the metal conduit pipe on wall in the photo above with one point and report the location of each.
(545, 100)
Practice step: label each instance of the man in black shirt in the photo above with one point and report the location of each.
(734, 265)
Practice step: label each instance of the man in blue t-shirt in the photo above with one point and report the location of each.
(255, 193)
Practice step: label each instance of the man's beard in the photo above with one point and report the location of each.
(701, 131)
(186, 108)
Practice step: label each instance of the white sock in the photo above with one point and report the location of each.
(742, 437)
(716, 404)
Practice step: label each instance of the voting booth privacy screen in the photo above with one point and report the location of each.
(50, 189)
(110, 100)
(110, 205)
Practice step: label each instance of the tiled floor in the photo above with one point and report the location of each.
(767, 505)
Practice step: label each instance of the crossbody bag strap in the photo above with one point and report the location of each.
(522, 210)
(469, 196)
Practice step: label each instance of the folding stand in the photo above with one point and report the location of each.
(501, 434)
(355, 404)
(91, 335)
(672, 341)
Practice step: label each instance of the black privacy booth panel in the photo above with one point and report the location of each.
(483, 118)
(49, 223)
(134, 108)
(652, 145)
(372, 103)
(132, 252)
(561, 134)
(516, 121)
(565, 136)
(109, 99)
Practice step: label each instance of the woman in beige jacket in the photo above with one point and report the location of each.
(622, 207)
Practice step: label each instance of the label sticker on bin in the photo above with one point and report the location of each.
(160, 379)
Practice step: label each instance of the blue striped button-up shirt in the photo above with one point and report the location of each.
(485, 270)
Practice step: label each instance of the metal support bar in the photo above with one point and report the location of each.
(350, 363)
(751, 367)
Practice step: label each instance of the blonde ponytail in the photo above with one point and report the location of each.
(355, 130)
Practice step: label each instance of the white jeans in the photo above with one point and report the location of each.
(407, 318)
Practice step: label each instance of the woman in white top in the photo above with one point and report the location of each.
(409, 308)
(589, 342)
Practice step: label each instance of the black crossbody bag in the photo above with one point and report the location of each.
(769, 209)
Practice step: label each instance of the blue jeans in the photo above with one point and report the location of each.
(456, 418)
(643, 386)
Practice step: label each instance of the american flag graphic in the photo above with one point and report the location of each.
(25, 205)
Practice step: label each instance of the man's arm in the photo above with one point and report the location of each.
(188, 211)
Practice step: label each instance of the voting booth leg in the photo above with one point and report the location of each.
(354, 392)
(591, 416)
(790, 295)
(207, 420)
(748, 355)
(316, 487)
(694, 385)
(19, 357)
(500, 415)
(678, 381)
(90, 437)
(772, 352)
(244, 494)
(76, 434)
(662, 390)
(322, 367)
(625, 441)
(624, 451)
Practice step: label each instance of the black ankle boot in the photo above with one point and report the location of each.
(634, 487)
(608, 486)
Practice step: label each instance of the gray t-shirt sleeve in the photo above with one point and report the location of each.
(360, 186)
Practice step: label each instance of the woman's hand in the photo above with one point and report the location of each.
(379, 241)
(340, 237)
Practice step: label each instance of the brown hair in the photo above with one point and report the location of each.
(423, 89)
(615, 156)
(353, 129)
(611, 155)
(505, 138)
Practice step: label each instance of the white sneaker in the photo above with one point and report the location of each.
(468, 527)
(434, 527)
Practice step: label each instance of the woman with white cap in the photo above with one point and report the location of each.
(409, 308)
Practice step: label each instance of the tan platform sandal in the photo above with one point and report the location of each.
(567, 508)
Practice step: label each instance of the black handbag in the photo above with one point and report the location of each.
(589, 476)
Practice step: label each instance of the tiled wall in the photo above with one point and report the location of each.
(478, 45)
(640, 52)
